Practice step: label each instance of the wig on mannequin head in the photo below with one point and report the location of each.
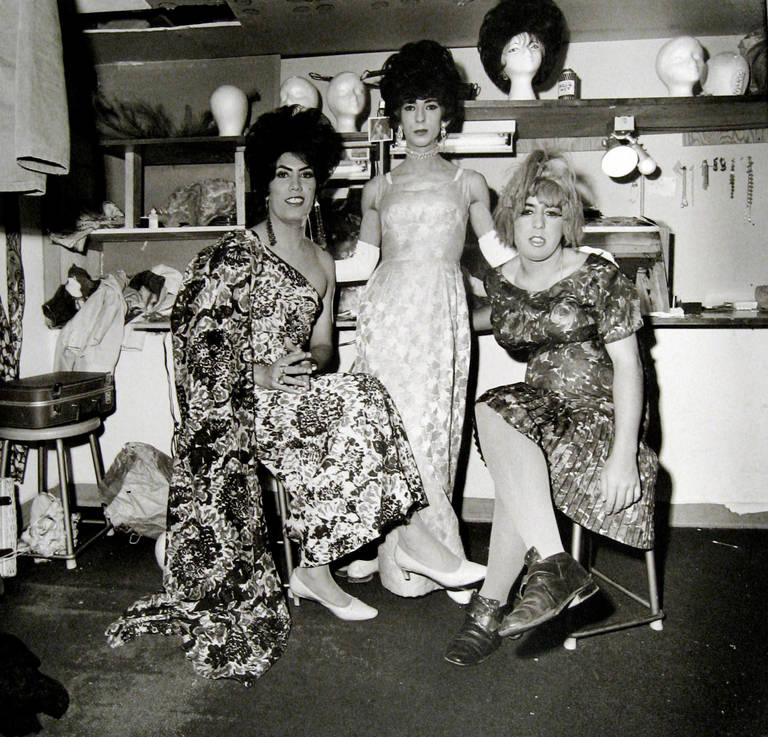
(305, 132)
(421, 70)
(548, 176)
(540, 18)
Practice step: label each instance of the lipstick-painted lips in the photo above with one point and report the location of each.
(295, 200)
(536, 240)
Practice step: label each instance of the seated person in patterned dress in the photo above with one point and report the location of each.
(252, 335)
(571, 433)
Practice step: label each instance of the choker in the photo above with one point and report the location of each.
(433, 150)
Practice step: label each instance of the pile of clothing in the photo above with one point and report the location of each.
(92, 313)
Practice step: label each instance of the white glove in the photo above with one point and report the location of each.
(493, 250)
(360, 266)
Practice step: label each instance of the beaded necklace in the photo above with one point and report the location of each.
(429, 153)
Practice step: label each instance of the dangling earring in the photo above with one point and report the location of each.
(320, 239)
(400, 135)
(443, 132)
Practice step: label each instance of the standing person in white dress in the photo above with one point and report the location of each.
(413, 330)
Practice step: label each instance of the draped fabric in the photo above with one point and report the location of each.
(11, 319)
(221, 592)
(34, 120)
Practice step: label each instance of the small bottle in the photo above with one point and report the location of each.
(568, 85)
(153, 221)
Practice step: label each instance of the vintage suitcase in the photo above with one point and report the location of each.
(54, 399)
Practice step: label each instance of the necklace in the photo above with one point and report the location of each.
(429, 153)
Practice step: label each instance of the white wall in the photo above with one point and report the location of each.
(713, 382)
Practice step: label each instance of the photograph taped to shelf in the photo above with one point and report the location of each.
(379, 129)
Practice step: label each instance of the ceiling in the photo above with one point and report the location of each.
(143, 30)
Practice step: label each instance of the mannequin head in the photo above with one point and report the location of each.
(727, 74)
(680, 65)
(347, 98)
(299, 91)
(520, 44)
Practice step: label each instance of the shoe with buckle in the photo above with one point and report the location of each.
(478, 637)
(548, 587)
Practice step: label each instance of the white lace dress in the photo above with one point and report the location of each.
(413, 335)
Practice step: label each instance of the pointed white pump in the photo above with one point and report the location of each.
(467, 572)
(355, 610)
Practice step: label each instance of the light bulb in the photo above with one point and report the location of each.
(619, 160)
(645, 164)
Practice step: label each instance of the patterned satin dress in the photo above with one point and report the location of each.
(413, 335)
(565, 404)
(340, 448)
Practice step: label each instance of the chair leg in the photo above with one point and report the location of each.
(282, 506)
(64, 487)
(42, 473)
(655, 614)
(98, 463)
(6, 452)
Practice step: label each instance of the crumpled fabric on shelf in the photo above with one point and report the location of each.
(45, 533)
(110, 217)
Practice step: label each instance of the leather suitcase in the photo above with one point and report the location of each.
(54, 399)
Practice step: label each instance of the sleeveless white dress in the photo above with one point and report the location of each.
(413, 335)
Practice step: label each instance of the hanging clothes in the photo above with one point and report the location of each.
(11, 319)
(34, 120)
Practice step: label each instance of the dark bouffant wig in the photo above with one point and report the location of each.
(419, 71)
(304, 132)
(540, 18)
(548, 176)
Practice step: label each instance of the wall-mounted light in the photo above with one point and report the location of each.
(623, 152)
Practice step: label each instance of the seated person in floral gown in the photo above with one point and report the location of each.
(571, 432)
(252, 334)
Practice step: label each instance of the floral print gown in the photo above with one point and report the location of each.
(565, 404)
(340, 448)
(413, 334)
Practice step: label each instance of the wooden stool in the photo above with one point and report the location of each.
(40, 437)
(652, 618)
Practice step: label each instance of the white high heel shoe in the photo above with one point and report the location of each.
(460, 596)
(467, 572)
(359, 570)
(354, 611)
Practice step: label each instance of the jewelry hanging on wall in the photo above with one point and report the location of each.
(732, 178)
(750, 189)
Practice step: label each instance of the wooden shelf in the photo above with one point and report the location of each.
(749, 319)
(168, 151)
(133, 235)
(138, 153)
(587, 118)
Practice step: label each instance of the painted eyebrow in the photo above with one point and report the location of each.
(292, 168)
